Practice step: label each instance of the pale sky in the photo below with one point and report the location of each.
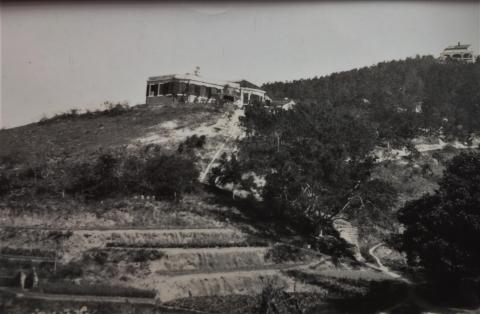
(57, 57)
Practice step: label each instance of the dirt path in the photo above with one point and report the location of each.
(29, 258)
(125, 229)
(267, 269)
(231, 132)
(80, 298)
(203, 176)
(207, 250)
(95, 299)
(380, 266)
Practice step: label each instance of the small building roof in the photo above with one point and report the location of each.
(245, 83)
(192, 77)
(281, 102)
(458, 47)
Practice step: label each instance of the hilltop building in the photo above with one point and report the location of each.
(285, 104)
(192, 88)
(458, 52)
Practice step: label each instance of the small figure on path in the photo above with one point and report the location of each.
(31, 281)
(20, 279)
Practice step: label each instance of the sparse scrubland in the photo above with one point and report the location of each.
(109, 202)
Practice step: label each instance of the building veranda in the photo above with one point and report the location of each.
(192, 88)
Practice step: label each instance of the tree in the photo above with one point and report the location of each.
(170, 176)
(442, 230)
(96, 180)
(393, 92)
(316, 161)
(5, 182)
(228, 171)
(59, 237)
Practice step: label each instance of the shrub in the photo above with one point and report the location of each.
(274, 299)
(191, 143)
(112, 109)
(81, 179)
(100, 257)
(107, 181)
(148, 171)
(71, 114)
(334, 246)
(8, 281)
(27, 252)
(140, 256)
(170, 176)
(94, 181)
(5, 183)
(131, 179)
(70, 270)
(282, 253)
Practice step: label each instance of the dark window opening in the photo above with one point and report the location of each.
(154, 90)
(197, 90)
(228, 98)
(183, 88)
(255, 98)
(203, 91)
(213, 92)
(191, 89)
(169, 88)
(175, 87)
(164, 89)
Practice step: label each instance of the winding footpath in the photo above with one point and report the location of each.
(380, 266)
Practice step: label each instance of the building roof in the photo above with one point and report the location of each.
(458, 47)
(195, 78)
(282, 102)
(245, 83)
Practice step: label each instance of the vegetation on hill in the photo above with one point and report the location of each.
(77, 135)
(317, 159)
(76, 157)
(401, 98)
(317, 162)
(107, 173)
(317, 165)
(442, 229)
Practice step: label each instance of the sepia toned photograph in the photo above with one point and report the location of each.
(239, 157)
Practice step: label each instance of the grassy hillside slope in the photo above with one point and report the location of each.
(76, 134)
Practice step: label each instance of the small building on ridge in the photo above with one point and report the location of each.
(459, 52)
(192, 88)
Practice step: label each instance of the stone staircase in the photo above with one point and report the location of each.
(349, 233)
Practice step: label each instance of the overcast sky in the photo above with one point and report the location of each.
(57, 57)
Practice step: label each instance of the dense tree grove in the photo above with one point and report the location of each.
(316, 161)
(403, 98)
(442, 230)
(317, 158)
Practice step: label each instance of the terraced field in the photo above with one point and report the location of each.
(184, 262)
(175, 263)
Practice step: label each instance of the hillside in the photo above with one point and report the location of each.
(403, 99)
(128, 246)
(108, 205)
(82, 134)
